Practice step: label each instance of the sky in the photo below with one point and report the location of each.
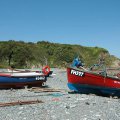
(83, 22)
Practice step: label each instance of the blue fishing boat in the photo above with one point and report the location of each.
(13, 79)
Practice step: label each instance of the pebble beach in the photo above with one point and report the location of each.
(58, 105)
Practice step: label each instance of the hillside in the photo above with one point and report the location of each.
(25, 55)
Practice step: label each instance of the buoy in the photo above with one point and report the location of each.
(46, 70)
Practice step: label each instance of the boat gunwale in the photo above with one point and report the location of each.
(91, 72)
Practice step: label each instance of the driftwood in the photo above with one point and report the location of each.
(46, 90)
(20, 103)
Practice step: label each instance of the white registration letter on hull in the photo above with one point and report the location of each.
(77, 73)
(40, 78)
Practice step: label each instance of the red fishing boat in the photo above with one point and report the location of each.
(79, 79)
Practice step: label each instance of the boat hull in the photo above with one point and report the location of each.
(20, 85)
(17, 80)
(84, 88)
(86, 81)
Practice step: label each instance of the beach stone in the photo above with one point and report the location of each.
(68, 107)
(58, 105)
